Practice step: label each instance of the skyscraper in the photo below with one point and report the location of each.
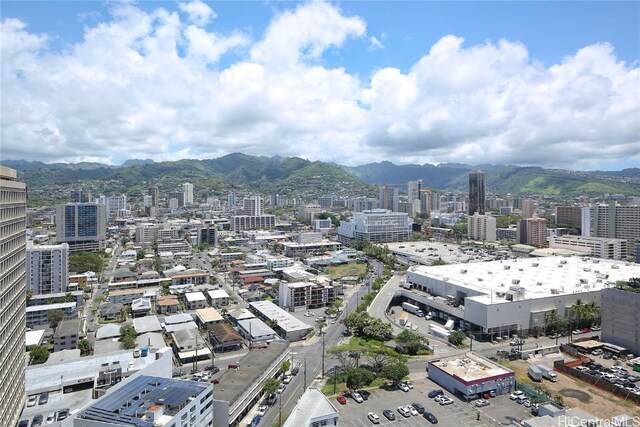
(187, 188)
(48, 269)
(413, 190)
(80, 196)
(82, 225)
(13, 207)
(476, 192)
(528, 208)
(252, 206)
(153, 192)
(388, 198)
(231, 201)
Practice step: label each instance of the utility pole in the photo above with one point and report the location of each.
(304, 384)
(280, 411)
(322, 352)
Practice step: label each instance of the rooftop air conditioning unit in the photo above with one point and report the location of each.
(539, 283)
(564, 261)
(586, 269)
(615, 267)
(515, 281)
(463, 271)
(535, 264)
(507, 267)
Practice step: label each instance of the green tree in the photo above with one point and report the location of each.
(213, 279)
(55, 317)
(395, 372)
(68, 298)
(271, 386)
(164, 288)
(86, 261)
(140, 253)
(286, 365)
(409, 342)
(128, 336)
(457, 338)
(99, 299)
(38, 355)
(381, 356)
(378, 330)
(29, 295)
(154, 246)
(358, 377)
(85, 347)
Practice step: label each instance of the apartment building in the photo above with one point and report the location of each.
(375, 226)
(305, 295)
(476, 192)
(48, 269)
(600, 247)
(532, 231)
(13, 208)
(569, 216)
(612, 221)
(82, 225)
(481, 228)
(66, 335)
(241, 223)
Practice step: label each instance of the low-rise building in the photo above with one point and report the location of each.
(127, 296)
(288, 326)
(141, 307)
(599, 247)
(39, 314)
(224, 337)
(66, 335)
(619, 308)
(305, 295)
(195, 300)
(168, 304)
(189, 346)
(208, 317)
(218, 298)
(146, 324)
(111, 311)
(313, 409)
(255, 330)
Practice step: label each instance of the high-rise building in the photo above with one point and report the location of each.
(13, 208)
(481, 227)
(413, 190)
(528, 208)
(48, 269)
(231, 201)
(388, 198)
(114, 204)
(187, 188)
(363, 204)
(326, 202)
(569, 216)
(375, 226)
(147, 201)
(426, 203)
(82, 225)
(80, 196)
(252, 206)
(532, 231)
(179, 197)
(153, 192)
(476, 192)
(612, 220)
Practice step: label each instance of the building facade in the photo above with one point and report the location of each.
(476, 192)
(612, 221)
(620, 308)
(569, 216)
(375, 226)
(82, 225)
(305, 295)
(388, 198)
(241, 223)
(187, 188)
(481, 227)
(48, 269)
(13, 208)
(599, 247)
(532, 231)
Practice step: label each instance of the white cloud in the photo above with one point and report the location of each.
(198, 12)
(377, 43)
(149, 84)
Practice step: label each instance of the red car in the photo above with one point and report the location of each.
(586, 330)
(486, 396)
(342, 400)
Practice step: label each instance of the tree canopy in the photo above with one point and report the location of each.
(395, 372)
(128, 336)
(271, 386)
(38, 355)
(457, 338)
(409, 342)
(358, 377)
(86, 261)
(369, 327)
(85, 347)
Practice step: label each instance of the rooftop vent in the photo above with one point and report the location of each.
(463, 271)
(586, 269)
(539, 284)
(535, 264)
(515, 281)
(507, 267)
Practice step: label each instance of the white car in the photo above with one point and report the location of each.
(481, 402)
(51, 418)
(357, 397)
(281, 388)
(403, 387)
(262, 410)
(409, 384)
(404, 411)
(515, 394)
(412, 410)
(287, 379)
(374, 418)
(32, 401)
(445, 401)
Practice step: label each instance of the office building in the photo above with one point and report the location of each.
(252, 206)
(375, 226)
(309, 211)
(500, 297)
(599, 247)
(178, 196)
(155, 199)
(187, 188)
(532, 231)
(619, 308)
(363, 204)
(13, 209)
(80, 196)
(481, 228)
(528, 208)
(388, 198)
(612, 220)
(476, 192)
(413, 190)
(313, 409)
(426, 203)
(568, 216)
(48, 269)
(82, 225)
(146, 401)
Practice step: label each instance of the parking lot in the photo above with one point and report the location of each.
(456, 414)
(57, 401)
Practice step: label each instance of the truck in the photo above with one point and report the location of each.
(535, 373)
(412, 309)
(404, 317)
(548, 373)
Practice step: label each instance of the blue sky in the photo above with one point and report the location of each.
(381, 50)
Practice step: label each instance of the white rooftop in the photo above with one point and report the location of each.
(178, 318)
(34, 337)
(47, 307)
(539, 277)
(313, 404)
(218, 293)
(111, 330)
(195, 296)
(146, 324)
(285, 320)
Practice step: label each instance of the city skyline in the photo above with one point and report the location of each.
(351, 82)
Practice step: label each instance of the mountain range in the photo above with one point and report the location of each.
(297, 177)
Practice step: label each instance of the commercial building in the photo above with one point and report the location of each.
(476, 192)
(313, 409)
(39, 314)
(147, 401)
(471, 374)
(499, 297)
(305, 295)
(532, 231)
(187, 188)
(481, 228)
(48, 269)
(612, 221)
(599, 247)
(295, 249)
(620, 307)
(288, 326)
(255, 330)
(82, 225)
(569, 216)
(375, 226)
(66, 336)
(13, 208)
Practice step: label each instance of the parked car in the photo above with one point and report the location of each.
(287, 379)
(586, 330)
(212, 368)
(412, 410)
(577, 332)
(341, 400)
(32, 401)
(597, 352)
(418, 407)
(373, 418)
(295, 371)
(44, 398)
(262, 410)
(404, 411)
(481, 402)
(526, 403)
(281, 388)
(445, 401)
(23, 423)
(607, 355)
(357, 397)
(595, 328)
(389, 414)
(403, 387)
(434, 393)
(365, 394)
(430, 417)
(36, 421)
(516, 394)
(409, 384)
(63, 414)
(51, 418)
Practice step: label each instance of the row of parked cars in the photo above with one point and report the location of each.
(39, 419)
(615, 375)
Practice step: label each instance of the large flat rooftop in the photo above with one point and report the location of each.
(539, 277)
(286, 321)
(427, 252)
(470, 367)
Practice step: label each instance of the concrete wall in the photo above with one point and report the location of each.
(620, 318)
